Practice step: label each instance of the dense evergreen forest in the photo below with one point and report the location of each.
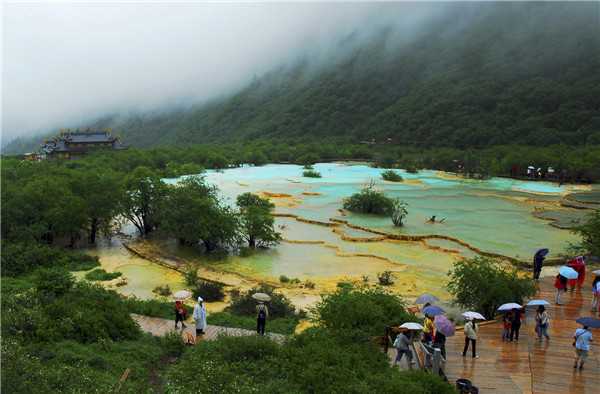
(477, 75)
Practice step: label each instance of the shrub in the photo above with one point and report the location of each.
(242, 303)
(53, 282)
(163, 290)
(386, 278)
(101, 275)
(391, 176)
(399, 212)
(209, 291)
(360, 312)
(172, 344)
(309, 284)
(483, 284)
(311, 174)
(153, 308)
(369, 200)
(284, 279)
(590, 234)
(190, 275)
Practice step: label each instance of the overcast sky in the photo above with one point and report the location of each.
(64, 63)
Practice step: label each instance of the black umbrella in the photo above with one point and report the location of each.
(589, 322)
(542, 252)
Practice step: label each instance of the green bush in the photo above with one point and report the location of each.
(153, 307)
(311, 174)
(209, 291)
(53, 282)
(399, 212)
(100, 274)
(483, 284)
(242, 303)
(369, 200)
(590, 234)
(172, 344)
(163, 290)
(385, 278)
(284, 279)
(360, 312)
(391, 176)
(280, 325)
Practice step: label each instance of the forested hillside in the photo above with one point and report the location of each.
(476, 76)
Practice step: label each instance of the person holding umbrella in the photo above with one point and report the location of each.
(515, 324)
(582, 337)
(428, 328)
(596, 291)
(470, 336)
(578, 265)
(262, 312)
(538, 262)
(541, 322)
(402, 345)
(560, 283)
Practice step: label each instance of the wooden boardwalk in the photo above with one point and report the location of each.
(160, 327)
(531, 366)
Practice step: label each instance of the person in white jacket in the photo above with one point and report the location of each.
(200, 317)
(470, 336)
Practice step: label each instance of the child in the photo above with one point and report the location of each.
(506, 326)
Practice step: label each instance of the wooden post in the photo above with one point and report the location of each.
(437, 361)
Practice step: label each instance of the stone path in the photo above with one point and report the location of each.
(160, 327)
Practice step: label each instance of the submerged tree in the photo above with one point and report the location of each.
(369, 200)
(143, 194)
(257, 220)
(399, 212)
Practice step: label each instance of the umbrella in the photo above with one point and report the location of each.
(597, 272)
(473, 315)
(412, 326)
(568, 272)
(425, 298)
(443, 325)
(589, 322)
(542, 252)
(261, 297)
(509, 307)
(182, 295)
(433, 310)
(537, 302)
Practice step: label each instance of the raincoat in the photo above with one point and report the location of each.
(578, 264)
(200, 316)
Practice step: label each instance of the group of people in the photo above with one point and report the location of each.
(199, 316)
(511, 325)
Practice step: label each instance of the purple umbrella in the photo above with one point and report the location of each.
(443, 325)
(433, 310)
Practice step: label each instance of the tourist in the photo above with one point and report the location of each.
(200, 317)
(470, 336)
(561, 286)
(596, 294)
(506, 326)
(515, 324)
(541, 323)
(428, 328)
(262, 312)
(180, 314)
(402, 345)
(439, 342)
(538, 262)
(582, 337)
(578, 264)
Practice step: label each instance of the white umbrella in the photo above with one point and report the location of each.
(261, 297)
(473, 315)
(568, 272)
(182, 295)
(538, 302)
(597, 272)
(412, 326)
(510, 306)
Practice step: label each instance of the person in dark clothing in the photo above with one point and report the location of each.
(515, 324)
(538, 262)
(439, 342)
(180, 314)
(262, 312)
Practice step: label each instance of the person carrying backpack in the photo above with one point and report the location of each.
(262, 312)
(402, 345)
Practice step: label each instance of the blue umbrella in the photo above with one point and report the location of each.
(589, 322)
(425, 298)
(433, 310)
(568, 272)
(537, 303)
(542, 252)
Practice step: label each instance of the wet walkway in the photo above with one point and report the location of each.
(160, 327)
(531, 366)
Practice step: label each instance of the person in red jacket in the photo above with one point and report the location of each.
(561, 286)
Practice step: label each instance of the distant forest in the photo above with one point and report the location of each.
(481, 75)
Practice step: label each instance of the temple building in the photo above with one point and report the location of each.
(73, 144)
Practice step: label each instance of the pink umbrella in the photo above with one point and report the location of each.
(443, 325)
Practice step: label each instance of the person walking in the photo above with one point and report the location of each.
(541, 323)
(506, 326)
(578, 264)
(200, 317)
(561, 286)
(470, 336)
(515, 324)
(262, 312)
(582, 337)
(596, 294)
(439, 341)
(180, 314)
(428, 328)
(402, 345)
(538, 262)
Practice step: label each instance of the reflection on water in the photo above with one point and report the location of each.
(492, 215)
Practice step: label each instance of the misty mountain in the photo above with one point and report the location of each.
(477, 75)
